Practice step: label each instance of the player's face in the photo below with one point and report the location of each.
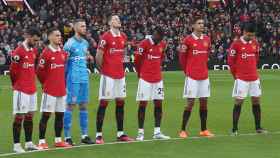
(115, 22)
(198, 26)
(33, 41)
(55, 37)
(248, 36)
(157, 37)
(81, 28)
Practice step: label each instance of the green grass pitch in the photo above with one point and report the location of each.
(219, 121)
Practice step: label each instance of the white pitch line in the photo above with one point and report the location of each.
(148, 140)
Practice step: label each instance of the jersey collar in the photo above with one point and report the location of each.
(244, 41)
(53, 49)
(24, 44)
(196, 38)
(149, 37)
(115, 35)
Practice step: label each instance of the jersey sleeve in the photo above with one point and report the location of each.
(103, 43)
(183, 54)
(15, 65)
(67, 46)
(139, 56)
(42, 67)
(231, 58)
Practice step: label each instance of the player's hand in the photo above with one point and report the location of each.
(90, 58)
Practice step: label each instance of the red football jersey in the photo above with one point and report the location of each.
(196, 59)
(243, 58)
(149, 59)
(51, 71)
(113, 47)
(22, 70)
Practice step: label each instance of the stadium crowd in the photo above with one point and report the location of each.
(138, 17)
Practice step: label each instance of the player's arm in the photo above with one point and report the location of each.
(139, 57)
(257, 53)
(15, 59)
(231, 59)
(183, 49)
(42, 68)
(100, 52)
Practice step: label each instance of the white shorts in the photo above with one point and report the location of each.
(149, 91)
(196, 88)
(110, 88)
(53, 104)
(24, 103)
(242, 88)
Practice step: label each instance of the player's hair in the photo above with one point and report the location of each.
(78, 20)
(196, 18)
(32, 31)
(51, 30)
(249, 27)
(159, 30)
(109, 19)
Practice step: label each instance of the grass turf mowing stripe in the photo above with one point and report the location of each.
(148, 140)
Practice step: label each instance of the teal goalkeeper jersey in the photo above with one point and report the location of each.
(76, 71)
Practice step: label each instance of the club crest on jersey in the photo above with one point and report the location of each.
(205, 44)
(63, 57)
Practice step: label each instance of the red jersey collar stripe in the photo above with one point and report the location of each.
(196, 38)
(53, 49)
(24, 44)
(115, 35)
(243, 40)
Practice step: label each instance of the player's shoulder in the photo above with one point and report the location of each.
(70, 41)
(206, 37)
(123, 35)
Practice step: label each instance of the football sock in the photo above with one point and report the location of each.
(187, 114)
(119, 114)
(100, 115)
(43, 124)
(58, 124)
(17, 128)
(256, 108)
(67, 123)
(235, 116)
(203, 114)
(141, 113)
(28, 127)
(158, 112)
(84, 122)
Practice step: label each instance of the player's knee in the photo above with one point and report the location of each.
(158, 103)
(143, 103)
(255, 100)
(18, 118)
(83, 107)
(70, 107)
(120, 102)
(28, 117)
(103, 103)
(239, 101)
(46, 115)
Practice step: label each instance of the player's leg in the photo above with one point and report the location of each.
(71, 100)
(47, 107)
(83, 101)
(119, 95)
(190, 92)
(28, 122)
(105, 94)
(157, 97)
(204, 94)
(60, 107)
(143, 96)
(240, 91)
(255, 93)
(18, 119)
